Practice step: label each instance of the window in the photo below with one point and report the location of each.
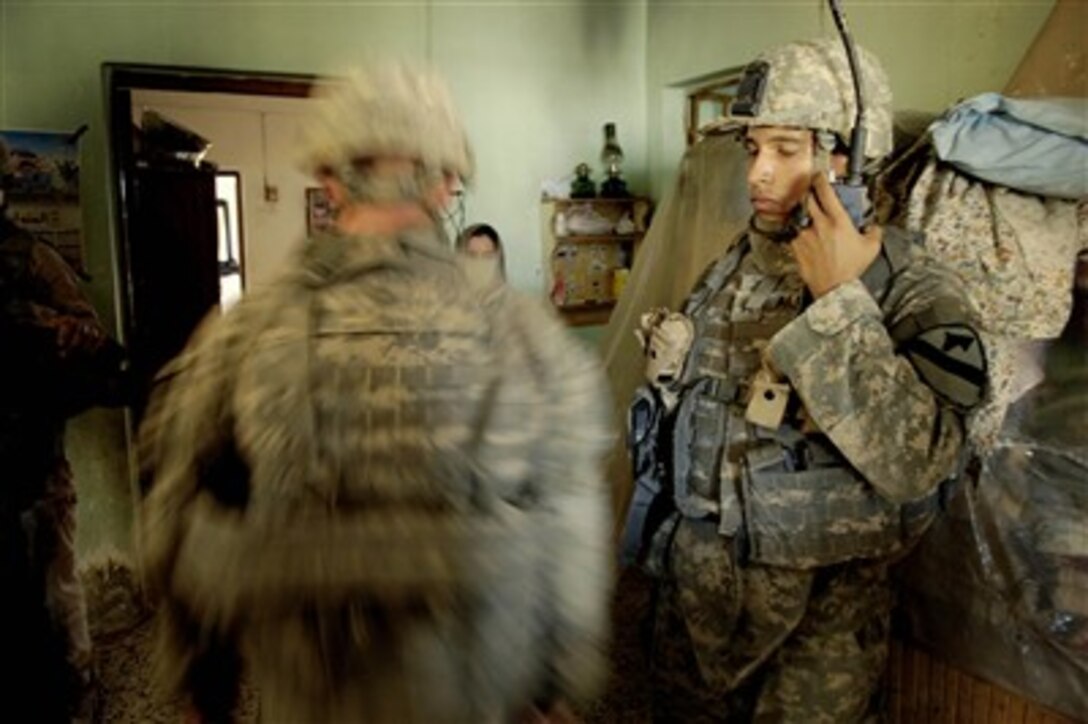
(707, 100)
(229, 231)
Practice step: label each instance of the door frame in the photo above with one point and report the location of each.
(119, 80)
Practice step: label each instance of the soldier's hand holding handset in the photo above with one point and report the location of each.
(76, 333)
(831, 251)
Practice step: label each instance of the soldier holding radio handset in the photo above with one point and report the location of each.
(801, 443)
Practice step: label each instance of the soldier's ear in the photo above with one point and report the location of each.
(334, 189)
(442, 194)
(839, 164)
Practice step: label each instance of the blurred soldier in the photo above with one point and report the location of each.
(372, 486)
(802, 439)
(56, 362)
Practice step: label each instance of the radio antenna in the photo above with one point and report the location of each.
(858, 134)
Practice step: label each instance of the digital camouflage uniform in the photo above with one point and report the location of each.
(773, 602)
(40, 390)
(381, 490)
(409, 492)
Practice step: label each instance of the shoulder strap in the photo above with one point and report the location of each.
(715, 276)
(895, 255)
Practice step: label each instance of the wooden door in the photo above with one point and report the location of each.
(173, 271)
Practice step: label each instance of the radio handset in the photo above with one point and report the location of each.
(852, 191)
(855, 199)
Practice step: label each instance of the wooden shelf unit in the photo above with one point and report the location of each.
(579, 269)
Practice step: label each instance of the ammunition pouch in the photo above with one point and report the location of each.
(809, 509)
(668, 453)
(655, 557)
(703, 421)
(651, 500)
(650, 505)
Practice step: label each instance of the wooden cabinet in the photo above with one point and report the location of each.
(589, 247)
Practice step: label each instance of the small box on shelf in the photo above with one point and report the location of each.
(589, 247)
(583, 273)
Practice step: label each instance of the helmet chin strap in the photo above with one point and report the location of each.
(778, 232)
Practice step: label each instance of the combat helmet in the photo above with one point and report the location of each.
(390, 110)
(807, 84)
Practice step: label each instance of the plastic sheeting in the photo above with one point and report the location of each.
(699, 220)
(999, 586)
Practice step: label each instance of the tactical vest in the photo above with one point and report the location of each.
(31, 435)
(786, 498)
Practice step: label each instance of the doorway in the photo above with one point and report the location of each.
(228, 231)
(174, 262)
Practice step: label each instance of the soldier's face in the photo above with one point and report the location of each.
(480, 245)
(780, 167)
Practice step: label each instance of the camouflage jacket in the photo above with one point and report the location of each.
(37, 287)
(887, 366)
(376, 484)
(880, 372)
(40, 388)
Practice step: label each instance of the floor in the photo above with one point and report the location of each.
(922, 688)
(122, 629)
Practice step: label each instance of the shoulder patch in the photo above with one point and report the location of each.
(952, 361)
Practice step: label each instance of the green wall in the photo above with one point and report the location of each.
(535, 81)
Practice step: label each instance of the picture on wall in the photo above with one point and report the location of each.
(42, 187)
(319, 212)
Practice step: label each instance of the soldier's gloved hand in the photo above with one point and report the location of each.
(667, 338)
(646, 324)
(74, 334)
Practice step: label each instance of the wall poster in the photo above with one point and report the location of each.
(42, 189)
